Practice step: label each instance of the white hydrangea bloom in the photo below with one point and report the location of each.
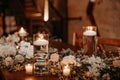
(24, 47)
(25, 44)
(2, 51)
(93, 71)
(96, 64)
(69, 60)
(30, 52)
(2, 40)
(54, 57)
(13, 38)
(10, 50)
(23, 50)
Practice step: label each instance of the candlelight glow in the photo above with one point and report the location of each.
(28, 68)
(90, 28)
(41, 36)
(66, 70)
(22, 32)
(46, 11)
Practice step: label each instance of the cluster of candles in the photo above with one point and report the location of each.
(39, 41)
(29, 69)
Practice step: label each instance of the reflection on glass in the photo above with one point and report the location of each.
(89, 39)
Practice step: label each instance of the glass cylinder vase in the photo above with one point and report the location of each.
(40, 42)
(89, 39)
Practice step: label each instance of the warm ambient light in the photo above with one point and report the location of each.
(46, 11)
(40, 41)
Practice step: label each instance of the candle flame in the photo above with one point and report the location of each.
(66, 66)
(40, 36)
(22, 30)
(90, 28)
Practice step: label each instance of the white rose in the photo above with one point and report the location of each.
(68, 60)
(8, 61)
(19, 58)
(54, 57)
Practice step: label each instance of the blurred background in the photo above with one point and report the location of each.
(60, 18)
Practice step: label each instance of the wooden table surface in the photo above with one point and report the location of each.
(23, 76)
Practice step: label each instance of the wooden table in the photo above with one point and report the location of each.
(23, 76)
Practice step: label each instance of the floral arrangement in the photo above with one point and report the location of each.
(14, 54)
(84, 67)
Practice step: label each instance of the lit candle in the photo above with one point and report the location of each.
(66, 70)
(22, 32)
(89, 32)
(29, 68)
(40, 41)
(46, 10)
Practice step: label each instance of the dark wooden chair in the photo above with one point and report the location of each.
(110, 46)
(77, 39)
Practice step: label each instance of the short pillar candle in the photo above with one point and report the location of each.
(66, 70)
(29, 68)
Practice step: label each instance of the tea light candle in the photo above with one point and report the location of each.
(22, 32)
(40, 42)
(89, 32)
(66, 70)
(29, 68)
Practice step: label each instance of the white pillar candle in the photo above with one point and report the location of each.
(28, 68)
(66, 70)
(22, 32)
(89, 32)
(40, 42)
(46, 10)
